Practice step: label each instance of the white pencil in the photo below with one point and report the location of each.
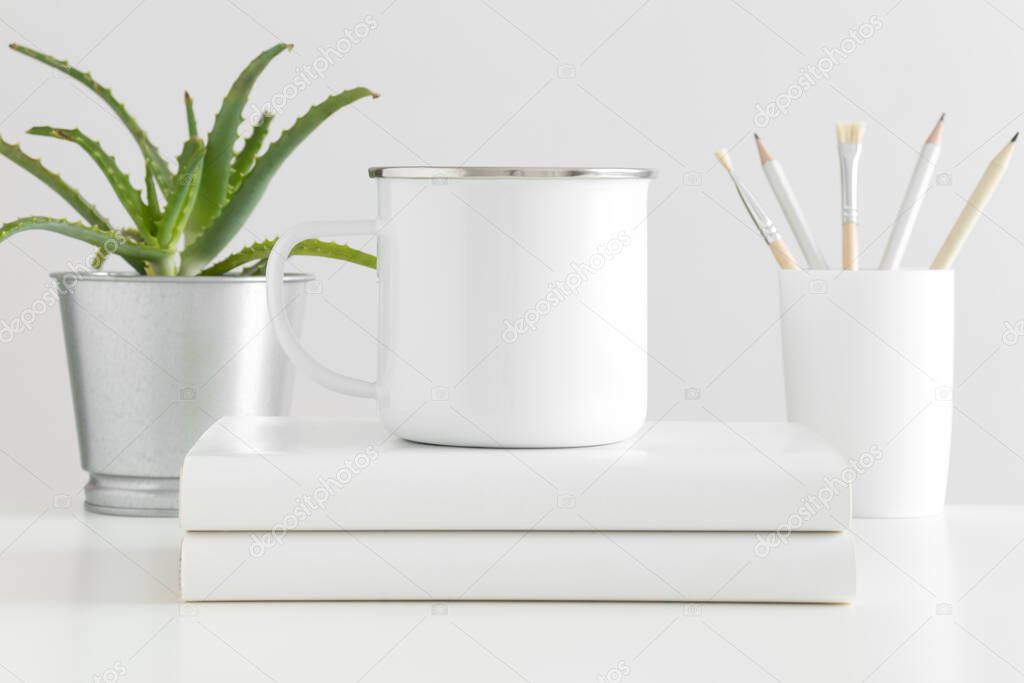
(912, 200)
(790, 208)
(975, 205)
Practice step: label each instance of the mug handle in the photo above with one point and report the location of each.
(286, 336)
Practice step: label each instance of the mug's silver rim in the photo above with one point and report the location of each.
(456, 172)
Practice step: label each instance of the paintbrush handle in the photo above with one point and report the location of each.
(783, 256)
(849, 246)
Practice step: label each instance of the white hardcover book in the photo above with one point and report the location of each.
(285, 474)
(509, 565)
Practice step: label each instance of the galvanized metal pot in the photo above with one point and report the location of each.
(154, 361)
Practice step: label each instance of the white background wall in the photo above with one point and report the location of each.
(639, 83)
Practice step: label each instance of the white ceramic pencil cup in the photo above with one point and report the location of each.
(868, 361)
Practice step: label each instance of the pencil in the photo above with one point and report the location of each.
(761, 220)
(975, 205)
(912, 200)
(790, 208)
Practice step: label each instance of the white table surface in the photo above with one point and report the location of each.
(87, 597)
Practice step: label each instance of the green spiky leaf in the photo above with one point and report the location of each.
(183, 198)
(241, 204)
(99, 258)
(130, 197)
(85, 209)
(149, 150)
(244, 159)
(220, 143)
(259, 268)
(190, 117)
(184, 161)
(152, 200)
(132, 235)
(256, 255)
(98, 237)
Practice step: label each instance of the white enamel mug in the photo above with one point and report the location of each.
(868, 359)
(513, 304)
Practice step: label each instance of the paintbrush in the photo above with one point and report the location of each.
(849, 136)
(761, 220)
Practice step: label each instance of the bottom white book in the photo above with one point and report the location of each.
(683, 566)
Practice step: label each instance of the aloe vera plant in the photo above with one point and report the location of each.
(183, 218)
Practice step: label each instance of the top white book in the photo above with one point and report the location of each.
(290, 473)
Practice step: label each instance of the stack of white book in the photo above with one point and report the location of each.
(323, 509)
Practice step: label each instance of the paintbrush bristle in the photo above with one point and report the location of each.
(849, 132)
(857, 132)
(723, 158)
